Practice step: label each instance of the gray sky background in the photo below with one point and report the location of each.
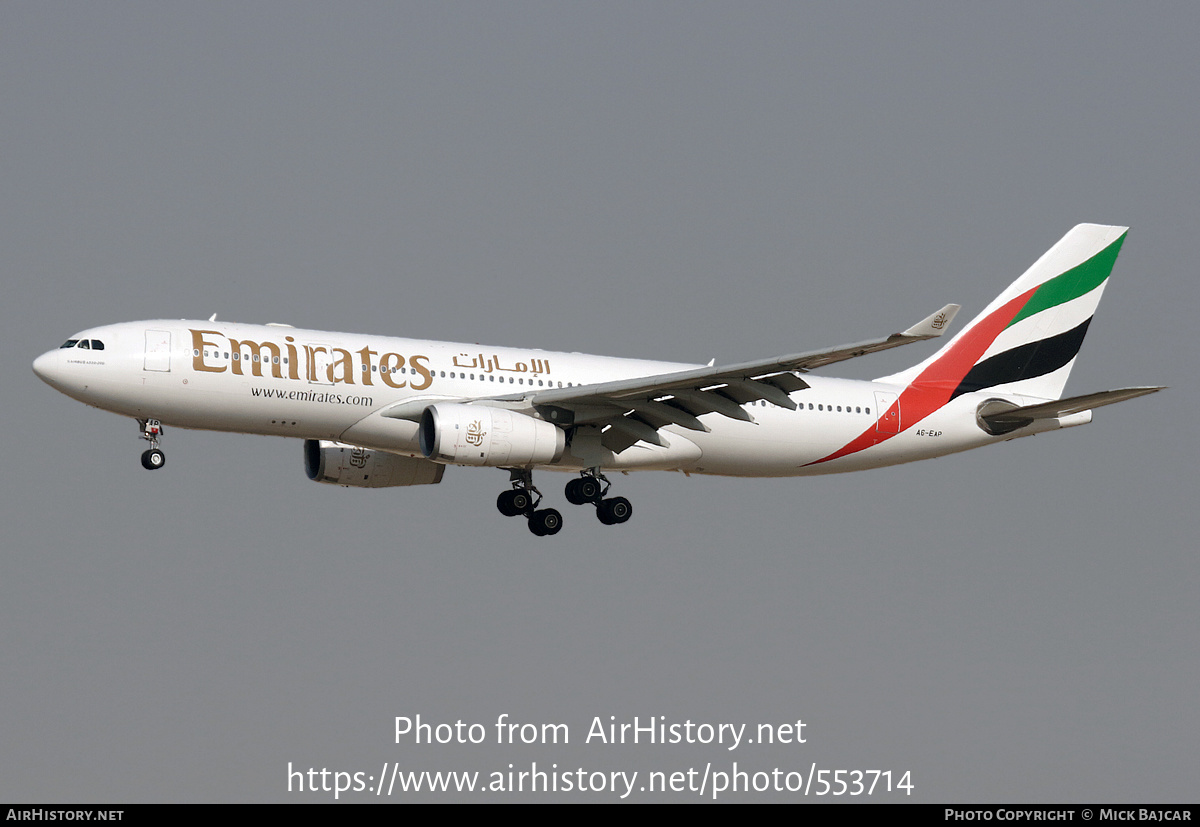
(679, 181)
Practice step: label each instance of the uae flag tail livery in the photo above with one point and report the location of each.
(1024, 343)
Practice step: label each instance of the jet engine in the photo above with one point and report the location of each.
(349, 465)
(479, 435)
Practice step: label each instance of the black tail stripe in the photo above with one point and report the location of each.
(1024, 362)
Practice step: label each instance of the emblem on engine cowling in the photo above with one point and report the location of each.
(475, 433)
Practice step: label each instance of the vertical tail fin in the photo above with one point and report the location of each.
(1027, 339)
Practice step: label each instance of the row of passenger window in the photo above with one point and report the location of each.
(821, 406)
(216, 354)
(82, 344)
(484, 377)
(246, 357)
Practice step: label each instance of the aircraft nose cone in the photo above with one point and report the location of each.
(48, 368)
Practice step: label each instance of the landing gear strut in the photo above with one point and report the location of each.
(591, 488)
(523, 499)
(153, 458)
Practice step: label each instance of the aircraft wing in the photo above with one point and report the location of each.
(629, 410)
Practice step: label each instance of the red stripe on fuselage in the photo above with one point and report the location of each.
(932, 389)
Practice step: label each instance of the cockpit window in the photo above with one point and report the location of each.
(84, 344)
(97, 344)
(68, 343)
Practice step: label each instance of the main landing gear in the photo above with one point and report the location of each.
(153, 458)
(591, 488)
(523, 499)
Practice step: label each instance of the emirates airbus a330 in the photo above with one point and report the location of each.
(378, 411)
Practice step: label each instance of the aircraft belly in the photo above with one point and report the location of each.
(777, 445)
(949, 431)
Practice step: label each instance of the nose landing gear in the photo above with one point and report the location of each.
(153, 458)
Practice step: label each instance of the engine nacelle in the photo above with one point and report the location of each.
(339, 464)
(479, 435)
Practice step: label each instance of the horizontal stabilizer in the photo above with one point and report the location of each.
(1016, 417)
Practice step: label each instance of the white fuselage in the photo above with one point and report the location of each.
(310, 384)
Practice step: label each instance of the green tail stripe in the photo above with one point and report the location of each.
(1073, 283)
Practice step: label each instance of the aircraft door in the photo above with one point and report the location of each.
(888, 408)
(158, 350)
(320, 364)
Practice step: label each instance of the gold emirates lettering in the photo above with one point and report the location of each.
(338, 364)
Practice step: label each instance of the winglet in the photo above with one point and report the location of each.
(933, 325)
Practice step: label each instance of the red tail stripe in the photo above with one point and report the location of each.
(932, 389)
